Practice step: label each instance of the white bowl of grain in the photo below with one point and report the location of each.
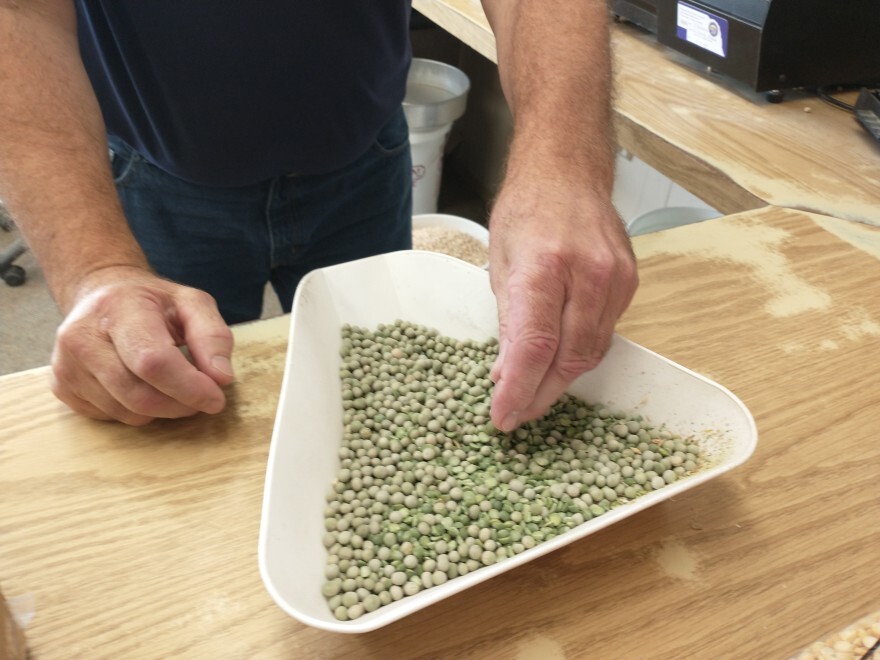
(452, 235)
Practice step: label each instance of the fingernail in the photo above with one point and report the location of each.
(222, 364)
(213, 406)
(509, 422)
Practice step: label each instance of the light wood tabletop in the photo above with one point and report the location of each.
(118, 542)
(733, 149)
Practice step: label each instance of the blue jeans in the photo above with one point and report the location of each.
(231, 241)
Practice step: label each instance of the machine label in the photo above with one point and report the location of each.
(702, 29)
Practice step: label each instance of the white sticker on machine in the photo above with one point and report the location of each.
(702, 29)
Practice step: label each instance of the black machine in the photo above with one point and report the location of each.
(769, 45)
(867, 111)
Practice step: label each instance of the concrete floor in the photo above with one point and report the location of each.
(28, 316)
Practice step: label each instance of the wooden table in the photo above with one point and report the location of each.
(142, 543)
(733, 150)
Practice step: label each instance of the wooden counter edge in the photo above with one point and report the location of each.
(465, 20)
(687, 170)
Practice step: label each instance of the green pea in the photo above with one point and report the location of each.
(428, 489)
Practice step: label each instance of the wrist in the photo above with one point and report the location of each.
(537, 185)
(98, 277)
(577, 164)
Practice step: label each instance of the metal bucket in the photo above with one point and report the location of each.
(436, 95)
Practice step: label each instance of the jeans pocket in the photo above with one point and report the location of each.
(122, 161)
(394, 136)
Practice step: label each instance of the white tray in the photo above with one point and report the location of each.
(455, 298)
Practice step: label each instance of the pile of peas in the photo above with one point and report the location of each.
(429, 490)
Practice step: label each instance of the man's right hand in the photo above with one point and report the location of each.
(117, 353)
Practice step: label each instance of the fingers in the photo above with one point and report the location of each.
(77, 387)
(583, 342)
(558, 303)
(107, 409)
(93, 375)
(116, 356)
(169, 384)
(532, 309)
(554, 336)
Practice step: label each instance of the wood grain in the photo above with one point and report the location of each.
(141, 543)
(802, 153)
(464, 19)
(729, 147)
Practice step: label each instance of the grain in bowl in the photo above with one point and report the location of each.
(453, 236)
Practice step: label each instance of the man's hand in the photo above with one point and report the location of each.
(561, 264)
(117, 353)
(563, 272)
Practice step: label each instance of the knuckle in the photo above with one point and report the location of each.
(200, 298)
(573, 366)
(201, 295)
(71, 340)
(629, 272)
(603, 262)
(148, 363)
(220, 334)
(539, 347)
(602, 265)
(607, 263)
(554, 263)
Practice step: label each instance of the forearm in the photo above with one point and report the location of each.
(54, 167)
(554, 63)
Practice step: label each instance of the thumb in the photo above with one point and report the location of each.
(208, 338)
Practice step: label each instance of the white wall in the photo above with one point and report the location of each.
(639, 189)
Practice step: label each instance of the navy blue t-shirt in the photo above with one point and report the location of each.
(226, 92)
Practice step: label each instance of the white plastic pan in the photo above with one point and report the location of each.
(455, 298)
